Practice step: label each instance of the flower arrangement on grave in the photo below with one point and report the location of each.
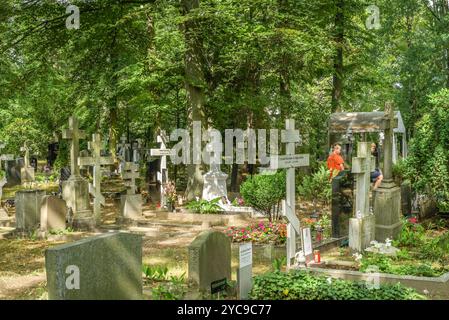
(238, 202)
(170, 192)
(262, 232)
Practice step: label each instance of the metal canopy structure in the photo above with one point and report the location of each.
(349, 123)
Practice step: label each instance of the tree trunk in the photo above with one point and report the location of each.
(337, 89)
(194, 82)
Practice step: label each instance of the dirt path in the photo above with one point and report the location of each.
(13, 287)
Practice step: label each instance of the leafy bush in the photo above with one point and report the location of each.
(301, 285)
(263, 192)
(316, 187)
(428, 162)
(391, 265)
(412, 235)
(259, 233)
(204, 206)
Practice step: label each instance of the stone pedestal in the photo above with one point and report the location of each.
(387, 209)
(361, 232)
(28, 209)
(131, 207)
(75, 191)
(27, 174)
(214, 185)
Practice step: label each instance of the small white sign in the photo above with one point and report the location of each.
(161, 152)
(246, 255)
(307, 241)
(289, 161)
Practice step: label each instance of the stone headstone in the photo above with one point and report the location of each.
(28, 209)
(214, 180)
(130, 203)
(13, 175)
(406, 198)
(245, 270)
(53, 214)
(209, 259)
(104, 267)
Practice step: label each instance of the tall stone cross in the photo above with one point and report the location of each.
(163, 152)
(124, 146)
(362, 226)
(96, 161)
(389, 124)
(362, 166)
(130, 174)
(290, 161)
(26, 158)
(74, 134)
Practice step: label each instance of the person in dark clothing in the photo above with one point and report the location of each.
(376, 175)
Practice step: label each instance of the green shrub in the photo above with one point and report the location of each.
(263, 192)
(316, 187)
(204, 206)
(301, 285)
(427, 166)
(412, 235)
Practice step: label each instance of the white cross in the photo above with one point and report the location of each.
(290, 136)
(96, 161)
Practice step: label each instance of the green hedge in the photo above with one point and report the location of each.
(302, 285)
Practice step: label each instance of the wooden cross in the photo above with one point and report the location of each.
(290, 136)
(163, 152)
(96, 161)
(74, 134)
(130, 174)
(362, 166)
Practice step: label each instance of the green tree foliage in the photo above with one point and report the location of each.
(263, 191)
(428, 165)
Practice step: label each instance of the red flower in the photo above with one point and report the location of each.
(413, 220)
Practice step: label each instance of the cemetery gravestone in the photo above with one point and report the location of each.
(209, 259)
(75, 191)
(361, 227)
(13, 174)
(131, 203)
(53, 214)
(28, 209)
(104, 267)
(387, 198)
(96, 161)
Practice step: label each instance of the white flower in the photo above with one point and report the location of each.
(329, 280)
(426, 291)
(357, 256)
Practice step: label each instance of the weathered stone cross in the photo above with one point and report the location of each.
(96, 161)
(389, 123)
(74, 134)
(130, 174)
(26, 159)
(362, 226)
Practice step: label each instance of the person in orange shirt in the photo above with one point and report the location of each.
(335, 162)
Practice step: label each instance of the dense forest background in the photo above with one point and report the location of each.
(137, 66)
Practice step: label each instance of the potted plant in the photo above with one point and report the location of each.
(170, 195)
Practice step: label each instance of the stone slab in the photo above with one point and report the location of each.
(104, 267)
